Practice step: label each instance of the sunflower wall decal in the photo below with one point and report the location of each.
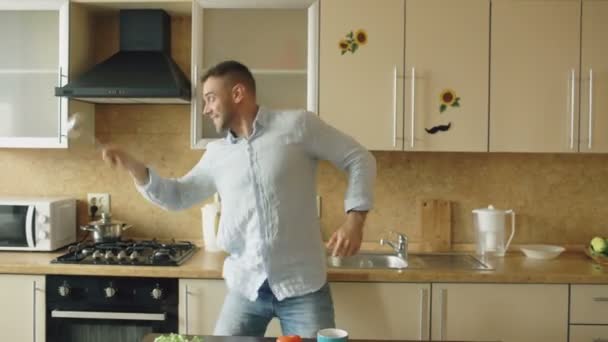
(448, 98)
(352, 41)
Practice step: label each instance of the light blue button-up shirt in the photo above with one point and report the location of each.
(267, 185)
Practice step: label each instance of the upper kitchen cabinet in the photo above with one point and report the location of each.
(432, 97)
(535, 58)
(34, 60)
(447, 46)
(361, 68)
(594, 77)
(276, 39)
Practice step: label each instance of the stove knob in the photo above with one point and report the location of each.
(109, 291)
(134, 256)
(157, 293)
(122, 255)
(97, 255)
(64, 290)
(109, 256)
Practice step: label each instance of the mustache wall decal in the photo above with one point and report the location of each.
(439, 128)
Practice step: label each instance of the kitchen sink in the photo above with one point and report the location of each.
(367, 261)
(451, 261)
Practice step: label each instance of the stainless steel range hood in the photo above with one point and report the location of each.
(141, 72)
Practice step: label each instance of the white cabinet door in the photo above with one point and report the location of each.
(34, 60)
(23, 316)
(447, 47)
(588, 333)
(535, 56)
(594, 77)
(276, 39)
(361, 70)
(500, 312)
(385, 311)
(200, 303)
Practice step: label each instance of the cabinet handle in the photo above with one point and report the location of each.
(187, 309)
(600, 299)
(443, 302)
(195, 122)
(60, 135)
(589, 145)
(394, 106)
(413, 110)
(34, 310)
(572, 88)
(423, 313)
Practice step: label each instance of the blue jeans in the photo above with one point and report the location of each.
(303, 315)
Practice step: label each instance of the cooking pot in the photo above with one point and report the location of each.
(106, 230)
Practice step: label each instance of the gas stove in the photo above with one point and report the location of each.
(128, 252)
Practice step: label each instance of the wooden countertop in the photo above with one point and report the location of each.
(570, 267)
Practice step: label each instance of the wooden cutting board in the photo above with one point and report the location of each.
(434, 226)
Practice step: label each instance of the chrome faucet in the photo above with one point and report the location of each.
(400, 248)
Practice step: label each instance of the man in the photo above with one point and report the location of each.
(265, 173)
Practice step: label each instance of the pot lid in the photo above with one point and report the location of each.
(490, 210)
(105, 220)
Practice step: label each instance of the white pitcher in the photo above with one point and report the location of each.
(490, 230)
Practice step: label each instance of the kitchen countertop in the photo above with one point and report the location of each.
(570, 267)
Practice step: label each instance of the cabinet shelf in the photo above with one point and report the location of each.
(302, 72)
(28, 71)
(286, 72)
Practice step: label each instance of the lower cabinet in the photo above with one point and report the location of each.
(504, 312)
(588, 333)
(22, 317)
(200, 303)
(387, 311)
(589, 313)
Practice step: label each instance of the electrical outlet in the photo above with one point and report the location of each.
(101, 200)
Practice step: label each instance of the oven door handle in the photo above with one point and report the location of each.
(132, 316)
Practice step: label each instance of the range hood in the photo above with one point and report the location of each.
(141, 72)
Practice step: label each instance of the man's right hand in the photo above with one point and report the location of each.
(114, 157)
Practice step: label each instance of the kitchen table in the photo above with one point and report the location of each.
(151, 337)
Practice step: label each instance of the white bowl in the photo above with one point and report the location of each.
(542, 251)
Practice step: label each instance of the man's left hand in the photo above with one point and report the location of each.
(346, 241)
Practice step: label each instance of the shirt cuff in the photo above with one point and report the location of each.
(152, 177)
(358, 204)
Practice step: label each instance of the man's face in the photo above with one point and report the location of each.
(219, 104)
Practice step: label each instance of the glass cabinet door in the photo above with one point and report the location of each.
(33, 62)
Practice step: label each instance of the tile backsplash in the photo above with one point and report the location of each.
(557, 198)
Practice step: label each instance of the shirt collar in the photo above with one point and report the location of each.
(261, 119)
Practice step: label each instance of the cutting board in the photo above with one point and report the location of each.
(434, 226)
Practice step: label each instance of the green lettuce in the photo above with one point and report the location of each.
(176, 338)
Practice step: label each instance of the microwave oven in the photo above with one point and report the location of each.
(36, 223)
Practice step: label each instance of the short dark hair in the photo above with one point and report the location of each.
(236, 73)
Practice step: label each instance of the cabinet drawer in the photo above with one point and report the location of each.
(589, 333)
(589, 304)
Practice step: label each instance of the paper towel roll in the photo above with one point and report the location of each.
(210, 218)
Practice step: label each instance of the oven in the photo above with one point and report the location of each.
(117, 309)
